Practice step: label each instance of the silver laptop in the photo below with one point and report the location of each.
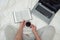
(43, 12)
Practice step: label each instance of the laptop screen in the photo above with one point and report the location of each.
(53, 5)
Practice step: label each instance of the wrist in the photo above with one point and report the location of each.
(21, 27)
(34, 31)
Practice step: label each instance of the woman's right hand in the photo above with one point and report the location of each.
(33, 28)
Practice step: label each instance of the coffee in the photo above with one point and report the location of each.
(28, 24)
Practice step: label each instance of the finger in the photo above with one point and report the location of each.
(31, 25)
(23, 21)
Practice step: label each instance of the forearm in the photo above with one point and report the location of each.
(37, 37)
(19, 35)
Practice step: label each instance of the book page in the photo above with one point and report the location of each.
(26, 15)
(17, 16)
(22, 15)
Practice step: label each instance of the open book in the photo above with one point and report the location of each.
(22, 15)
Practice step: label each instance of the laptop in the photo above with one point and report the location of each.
(43, 13)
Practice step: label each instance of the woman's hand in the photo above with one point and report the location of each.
(22, 24)
(19, 35)
(33, 28)
(37, 37)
